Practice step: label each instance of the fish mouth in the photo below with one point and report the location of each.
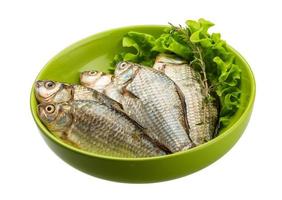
(127, 78)
(37, 84)
(40, 110)
(50, 96)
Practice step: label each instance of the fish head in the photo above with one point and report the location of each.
(54, 116)
(166, 62)
(52, 92)
(95, 80)
(90, 77)
(125, 71)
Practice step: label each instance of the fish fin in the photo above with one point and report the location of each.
(107, 100)
(216, 130)
(157, 143)
(66, 140)
(64, 136)
(182, 99)
(183, 103)
(128, 93)
(217, 126)
(59, 134)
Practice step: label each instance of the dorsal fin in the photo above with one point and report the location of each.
(157, 143)
(184, 108)
(217, 127)
(107, 100)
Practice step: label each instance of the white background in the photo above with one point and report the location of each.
(31, 32)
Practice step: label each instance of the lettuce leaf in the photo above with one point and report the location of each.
(206, 52)
(139, 49)
(167, 43)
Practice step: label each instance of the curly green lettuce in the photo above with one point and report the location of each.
(139, 49)
(206, 52)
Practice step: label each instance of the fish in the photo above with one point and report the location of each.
(97, 128)
(47, 91)
(202, 114)
(155, 102)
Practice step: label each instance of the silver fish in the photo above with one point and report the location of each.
(202, 114)
(98, 128)
(47, 91)
(160, 105)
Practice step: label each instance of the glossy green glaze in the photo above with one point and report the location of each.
(96, 52)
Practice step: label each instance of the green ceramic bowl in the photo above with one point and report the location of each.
(96, 52)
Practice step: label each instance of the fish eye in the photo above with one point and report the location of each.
(50, 108)
(49, 84)
(122, 65)
(92, 73)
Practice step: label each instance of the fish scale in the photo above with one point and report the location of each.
(202, 115)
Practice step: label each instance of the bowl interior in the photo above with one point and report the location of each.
(97, 52)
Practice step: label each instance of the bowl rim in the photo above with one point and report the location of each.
(73, 46)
